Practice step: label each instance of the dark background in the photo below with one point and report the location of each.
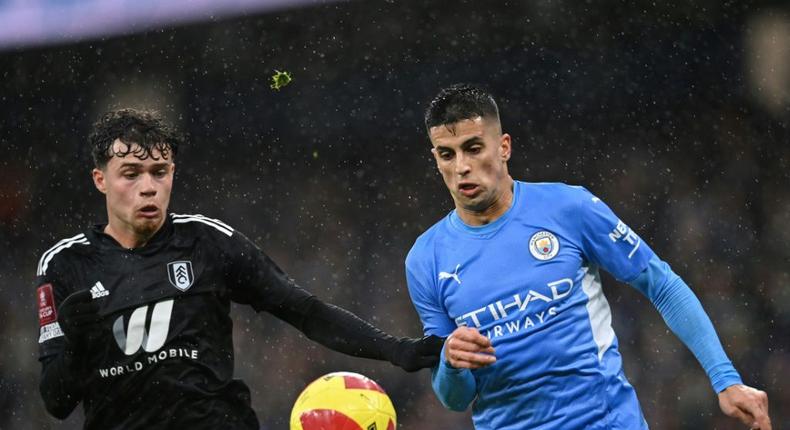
(661, 110)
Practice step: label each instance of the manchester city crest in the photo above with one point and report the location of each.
(544, 245)
(180, 274)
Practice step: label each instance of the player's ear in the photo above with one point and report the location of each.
(505, 147)
(98, 180)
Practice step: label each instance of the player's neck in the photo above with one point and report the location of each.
(496, 209)
(126, 237)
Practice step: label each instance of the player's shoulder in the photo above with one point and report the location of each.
(556, 201)
(197, 224)
(557, 190)
(430, 235)
(425, 243)
(557, 195)
(62, 251)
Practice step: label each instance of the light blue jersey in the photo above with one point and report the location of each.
(530, 282)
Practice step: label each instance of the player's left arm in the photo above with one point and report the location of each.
(611, 244)
(342, 331)
(683, 313)
(258, 281)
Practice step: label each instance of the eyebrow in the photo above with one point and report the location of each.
(471, 141)
(137, 165)
(465, 144)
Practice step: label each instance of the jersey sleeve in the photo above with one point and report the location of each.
(608, 242)
(256, 280)
(52, 287)
(425, 297)
(683, 313)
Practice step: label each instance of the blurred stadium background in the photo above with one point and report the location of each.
(676, 114)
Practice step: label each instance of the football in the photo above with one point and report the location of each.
(343, 401)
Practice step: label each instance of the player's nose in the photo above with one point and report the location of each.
(148, 187)
(461, 165)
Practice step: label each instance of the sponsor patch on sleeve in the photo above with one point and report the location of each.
(46, 306)
(50, 331)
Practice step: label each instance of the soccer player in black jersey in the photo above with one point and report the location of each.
(134, 314)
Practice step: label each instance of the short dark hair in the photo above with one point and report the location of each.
(459, 102)
(131, 126)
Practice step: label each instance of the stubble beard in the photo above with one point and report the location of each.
(147, 227)
(478, 203)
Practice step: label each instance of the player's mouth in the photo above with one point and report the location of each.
(148, 211)
(468, 189)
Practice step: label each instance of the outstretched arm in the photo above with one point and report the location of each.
(257, 280)
(342, 331)
(685, 316)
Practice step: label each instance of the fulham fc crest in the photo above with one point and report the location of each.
(180, 274)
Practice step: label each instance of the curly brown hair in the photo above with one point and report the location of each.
(143, 128)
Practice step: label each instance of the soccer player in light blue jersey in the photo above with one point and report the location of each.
(512, 276)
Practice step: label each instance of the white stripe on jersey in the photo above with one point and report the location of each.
(43, 263)
(38, 269)
(189, 218)
(598, 310)
(214, 220)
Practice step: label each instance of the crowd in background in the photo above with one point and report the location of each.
(332, 176)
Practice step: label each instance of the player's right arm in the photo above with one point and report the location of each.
(63, 319)
(463, 350)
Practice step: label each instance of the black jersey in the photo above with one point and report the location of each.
(164, 355)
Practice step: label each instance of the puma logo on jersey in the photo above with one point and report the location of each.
(447, 275)
(98, 290)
